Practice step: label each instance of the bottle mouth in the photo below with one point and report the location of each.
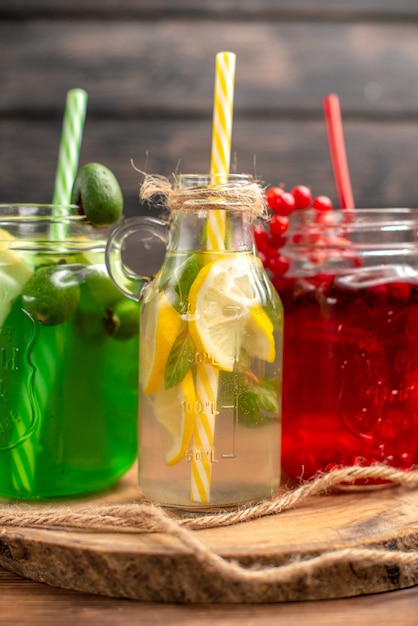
(354, 225)
(40, 212)
(356, 218)
(212, 180)
(43, 227)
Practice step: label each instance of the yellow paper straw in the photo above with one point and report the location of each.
(207, 375)
(223, 102)
(203, 457)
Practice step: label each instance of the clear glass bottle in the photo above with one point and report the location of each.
(211, 349)
(350, 296)
(68, 357)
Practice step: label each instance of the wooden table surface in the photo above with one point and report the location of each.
(27, 602)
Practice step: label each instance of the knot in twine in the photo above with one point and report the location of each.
(144, 517)
(237, 193)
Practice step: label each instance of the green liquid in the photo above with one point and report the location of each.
(68, 405)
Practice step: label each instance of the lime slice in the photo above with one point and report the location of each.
(174, 409)
(97, 192)
(160, 326)
(14, 274)
(226, 311)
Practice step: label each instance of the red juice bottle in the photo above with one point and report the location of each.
(350, 363)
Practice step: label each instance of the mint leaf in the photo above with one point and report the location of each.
(267, 398)
(179, 360)
(258, 403)
(177, 277)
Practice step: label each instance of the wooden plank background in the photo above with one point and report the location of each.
(148, 66)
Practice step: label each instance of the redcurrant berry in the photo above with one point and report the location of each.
(276, 241)
(302, 195)
(261, 237)
(281, 202)
(272, 195)
(279, 224)
(278, 264)
(322, 203)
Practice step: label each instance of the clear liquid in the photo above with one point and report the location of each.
(241, 458)
(244, 462)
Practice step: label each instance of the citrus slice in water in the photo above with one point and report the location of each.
(174, 409)
(258, 338)
(14, 274)
(224, 308)
(161, 324)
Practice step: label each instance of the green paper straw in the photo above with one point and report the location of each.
(69, 151)
(23, 456)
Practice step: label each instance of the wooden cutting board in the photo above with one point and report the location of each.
(155, 567)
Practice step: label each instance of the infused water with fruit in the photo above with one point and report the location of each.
(210, 382)
(68, 362)
(211, 334)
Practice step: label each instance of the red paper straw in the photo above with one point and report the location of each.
(337, 151)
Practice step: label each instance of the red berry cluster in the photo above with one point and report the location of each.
(282, 203)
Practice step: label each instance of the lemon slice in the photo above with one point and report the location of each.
(258, 338)
(161, 324)
(174, 409)
(223, 305)
(14, 274)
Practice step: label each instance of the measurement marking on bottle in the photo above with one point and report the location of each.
(201, 456)
(203, 357)
(232, 415)
(207, 407)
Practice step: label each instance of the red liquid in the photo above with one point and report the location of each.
(350, 375)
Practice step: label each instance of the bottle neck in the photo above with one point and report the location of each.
(318, 242)
(212, 212)
(208, 229)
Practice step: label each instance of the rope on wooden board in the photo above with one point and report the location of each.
(137, 516)
(142, 516)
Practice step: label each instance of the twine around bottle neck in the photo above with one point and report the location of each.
(238, 194)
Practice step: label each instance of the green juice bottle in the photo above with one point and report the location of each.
(68, 360)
